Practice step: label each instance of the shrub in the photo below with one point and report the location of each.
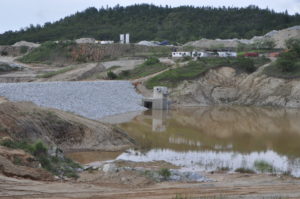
(287, 61)
(17, 145)
(111, 75)
(293, 44)
(4, 53)
(125, 73)
(263, 166)
(152, 61)
(165, 173)
(39, 149)
(57, 165)
(24, 49)
(244, 170)
(245, 64)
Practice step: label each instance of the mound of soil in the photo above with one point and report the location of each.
(17, 163)
(25, 121)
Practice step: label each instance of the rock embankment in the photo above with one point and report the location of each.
(225, 86)
(93, 100)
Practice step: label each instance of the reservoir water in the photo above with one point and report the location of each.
(218, 138)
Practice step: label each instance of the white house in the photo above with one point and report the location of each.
(227, 54)
(181, 54)
(200, 54)
(106, 42)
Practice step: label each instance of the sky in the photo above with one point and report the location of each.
(17, 14)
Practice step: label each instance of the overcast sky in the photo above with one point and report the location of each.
(15, 14)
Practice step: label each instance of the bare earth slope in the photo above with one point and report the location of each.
(25, 121)
(225, 86)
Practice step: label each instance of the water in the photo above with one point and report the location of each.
(213, 138)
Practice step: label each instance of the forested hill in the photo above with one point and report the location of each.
(149, 22)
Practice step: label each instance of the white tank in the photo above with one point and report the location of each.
(122, 38)
(127, 39)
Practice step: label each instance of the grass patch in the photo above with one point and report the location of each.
(7, 68)
(57, 165)
(54, 73)
(274, 70)
(48, 51)
(151, 66)
(288, 63)
(195, 69)
(263, 166)
(244, 170)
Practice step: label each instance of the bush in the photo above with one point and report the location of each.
(165, 173)
(245, 65)
(111, 75)
(293, 44)
(125, 73)
(59, 166)
(263, 166)
(4, 53)
(18, 145)
(39, 149)
(24, 49)
(244, 170)
(152, 61)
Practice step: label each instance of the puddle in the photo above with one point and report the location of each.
(93, 156)
(214, 138)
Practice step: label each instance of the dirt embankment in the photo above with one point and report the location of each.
(17, 163)
(278, 36)
(69, 132)
(96, 53)
(225, 86)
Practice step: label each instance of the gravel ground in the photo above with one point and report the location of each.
(93, 100)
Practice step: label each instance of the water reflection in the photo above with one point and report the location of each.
(239, 129)
(215, 136)
(212, 160)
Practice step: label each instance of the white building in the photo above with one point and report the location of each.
(85, 41)
(200, 54)
(227, 54)
(106, 42)
(181, 54)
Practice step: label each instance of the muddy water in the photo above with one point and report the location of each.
(212, 138)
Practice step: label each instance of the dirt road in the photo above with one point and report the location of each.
(227, 185)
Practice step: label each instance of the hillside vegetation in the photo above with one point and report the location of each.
(195, 69)
(149, 22)
(70, 52)
(152, 65)
(288, 63)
